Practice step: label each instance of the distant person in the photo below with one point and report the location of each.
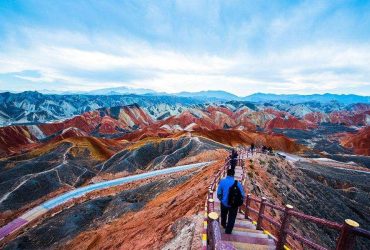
(234, 154)
(233, 159)
(270, 150)
(252, 148)
(231, 194)
(233, 163)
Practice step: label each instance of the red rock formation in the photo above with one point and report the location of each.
(288, 123)
(359, 141)
(213, 109)
(349, 119)
(316, 117)
(237, 137)
(186, 119)
(259, 118)
(275, 112)
(127, 117)
(69, 133)
(221, 117)
(133, 115)
(15, 139)
(151, 131)
(85, 122)
(360, 107)
(108, 125)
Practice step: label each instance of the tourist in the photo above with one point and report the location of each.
(252, 148)
(229, 211)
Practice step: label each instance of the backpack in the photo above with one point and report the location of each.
(235, 198)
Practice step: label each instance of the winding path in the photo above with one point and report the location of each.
(35, 212)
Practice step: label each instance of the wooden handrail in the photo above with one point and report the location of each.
(255, 199)
(305, 241)
(348, 230)
(271, 220)
(279, 208)
(361, 232)
(345, 240)
(324, 222)
(252, 210)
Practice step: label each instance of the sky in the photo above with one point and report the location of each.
(242, 47)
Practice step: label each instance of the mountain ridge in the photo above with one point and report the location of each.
(215, 95)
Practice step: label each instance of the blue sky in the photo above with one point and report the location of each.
(242, 47)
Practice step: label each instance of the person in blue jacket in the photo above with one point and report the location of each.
(228, 213)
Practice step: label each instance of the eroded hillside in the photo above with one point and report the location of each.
(332, 192)
(146, 215)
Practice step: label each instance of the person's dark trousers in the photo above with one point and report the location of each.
(228, 217)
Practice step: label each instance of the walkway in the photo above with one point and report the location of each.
(244, 235)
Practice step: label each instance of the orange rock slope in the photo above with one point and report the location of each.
(109, 120)
(151, 227)
(238, 137)
(359, 142)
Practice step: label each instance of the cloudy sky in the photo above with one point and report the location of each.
(242, 46)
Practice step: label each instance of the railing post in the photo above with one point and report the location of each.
(212, 218)
(210, 194)
(211, 205)
(260, 214)
(247, 203)
(346, 238)
(284, 226)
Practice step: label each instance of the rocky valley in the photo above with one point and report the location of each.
(83, 141)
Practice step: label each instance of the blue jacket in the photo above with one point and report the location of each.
(223, 189)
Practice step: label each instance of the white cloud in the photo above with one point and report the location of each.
(308, 69)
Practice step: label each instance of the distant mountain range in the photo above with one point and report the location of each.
(103, 91)
(294, 98)
(217, 94)
(33, 107)
(220, 95)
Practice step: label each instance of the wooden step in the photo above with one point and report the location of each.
(242, 225)
(255, 234)
(244, 222)
(247, 239)
(248, 246)
(240, 216)
(244, 229)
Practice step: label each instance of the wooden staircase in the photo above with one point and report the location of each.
(244, 235)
